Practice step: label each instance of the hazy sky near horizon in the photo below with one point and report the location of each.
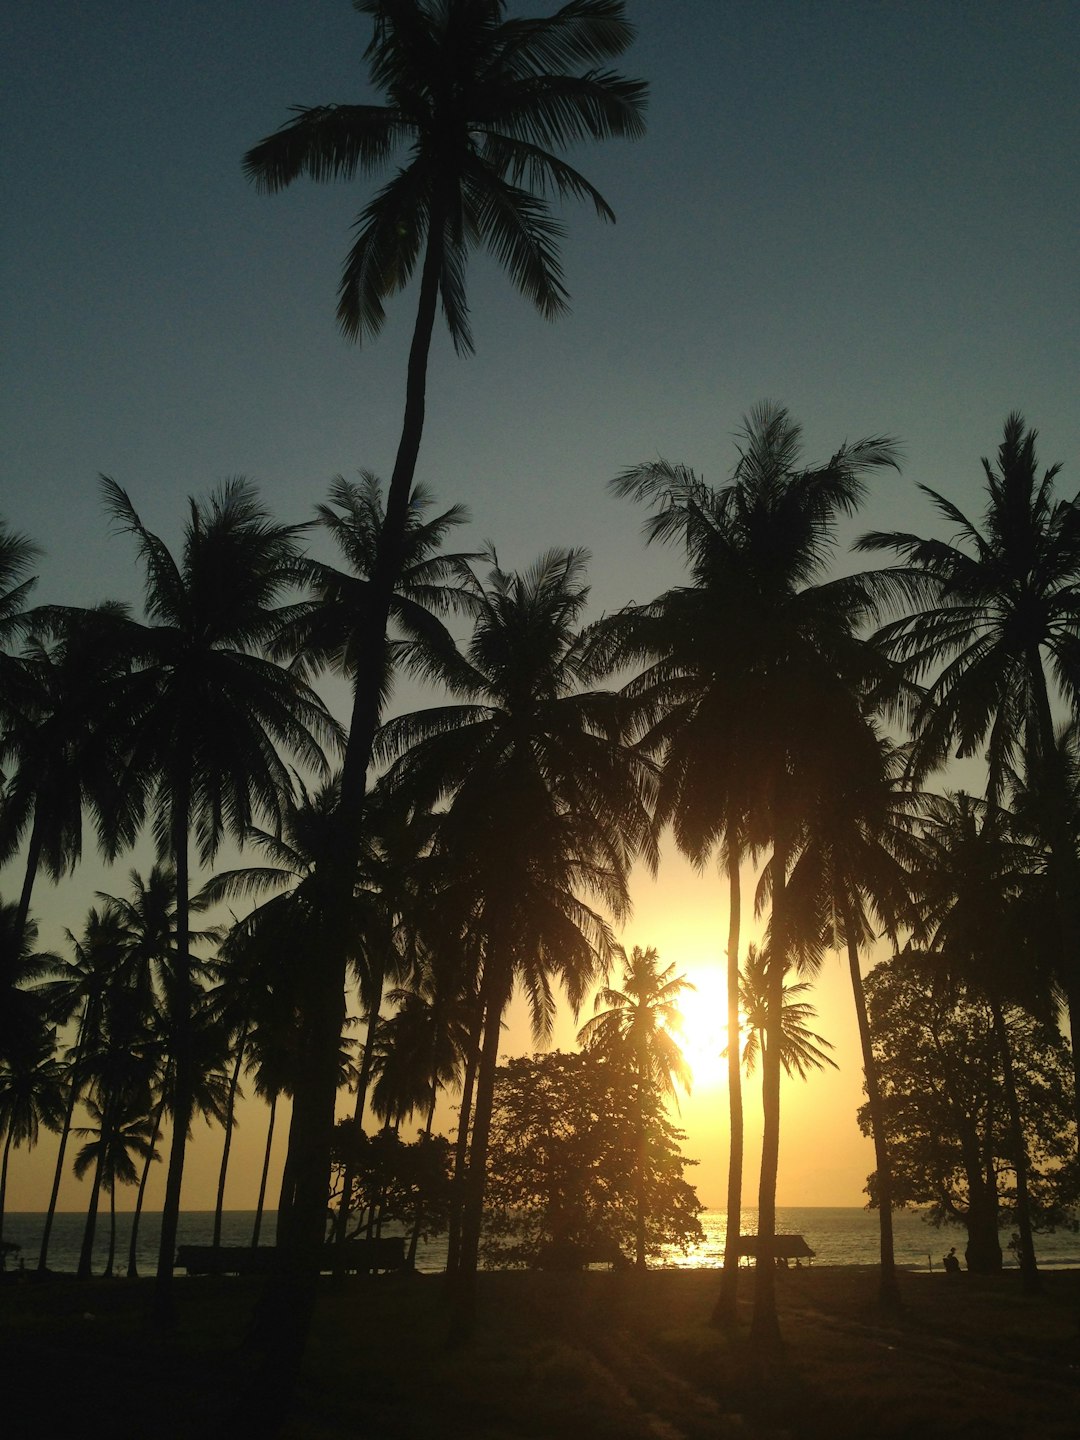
(868, 212)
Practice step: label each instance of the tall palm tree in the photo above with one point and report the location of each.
(772, 694)
(852, 879)
(208, 717)
(643, 1020)
(544, 804)
(480, 102)
(991, 618)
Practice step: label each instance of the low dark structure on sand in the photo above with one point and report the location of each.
(783, 1249)
(386, 1253)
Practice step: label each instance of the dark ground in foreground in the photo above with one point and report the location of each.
(599, 1356)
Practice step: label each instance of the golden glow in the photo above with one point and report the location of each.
(704, 1030)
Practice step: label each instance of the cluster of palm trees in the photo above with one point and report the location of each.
(764, 718)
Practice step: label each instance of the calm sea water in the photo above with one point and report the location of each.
(839, 1236)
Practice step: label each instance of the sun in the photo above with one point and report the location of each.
(704, 1029)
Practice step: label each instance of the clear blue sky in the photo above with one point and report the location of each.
(867, 211)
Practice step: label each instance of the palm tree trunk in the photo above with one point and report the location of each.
(112, 1230)
(726, 1308)
(341, 1220)
(1029, 1269)
(133, 1243)
(290, 1293)
(265, 1172)
(764, 1326)
(58, 1173)
(414, 1238)
(464, 1280)
(33, 861)
(164, 1308)
(3, 1180)
(888, 1286)
(86, 1254)
(461, 1150)
(230, 1117)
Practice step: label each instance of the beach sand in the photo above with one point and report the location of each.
(598, 1356)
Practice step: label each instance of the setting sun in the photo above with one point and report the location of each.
(704, 1029)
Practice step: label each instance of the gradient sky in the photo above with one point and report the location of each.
(866, 211)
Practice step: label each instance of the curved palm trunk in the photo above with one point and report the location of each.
(133, 1242)
(341, 1220)
(461, 1149)
(265, 1171)
(764, 1326)
(418, 1223)
(1029, 1268)
(230, 1120)
(58, 1173)
(3, 1179)
(463, 1285)
(888, 1286)
(726, 1308)
(289, 1297)
(33, 861)
(107, 1272)
(164, 1308)
(86, 1254)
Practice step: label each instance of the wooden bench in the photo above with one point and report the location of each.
(386, 1253)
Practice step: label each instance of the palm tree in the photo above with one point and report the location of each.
(31, 1095)
(642, 1020)
(801, 1049)
(992, 617)
(544, 803)
(62, 732)
(208, 715)
(480, 101)
(853, 879)
(770, 696)
(17, 553)
(120, 1128)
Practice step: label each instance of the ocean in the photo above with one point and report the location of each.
(840, 1235)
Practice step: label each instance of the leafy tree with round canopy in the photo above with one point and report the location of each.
(643, 1019)
(481, 103)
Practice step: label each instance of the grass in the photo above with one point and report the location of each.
(598, 1356)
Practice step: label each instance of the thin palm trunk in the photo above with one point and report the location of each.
(464, 1283)
(265, 1171)
(725, 1310)
(86, 1254)
(58, 1173)
(164, 1307)
(888, 1286)
(1029, 1268)
(133, 1243)
(341, 1220)
(3, 1179)
(107, 1272)
(461, 1151)
(33, 862)
(765, 1327)
(230, 1120)
(418, 1223)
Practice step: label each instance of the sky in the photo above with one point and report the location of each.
(867, 212)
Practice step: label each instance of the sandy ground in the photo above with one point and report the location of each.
(598, 1356)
